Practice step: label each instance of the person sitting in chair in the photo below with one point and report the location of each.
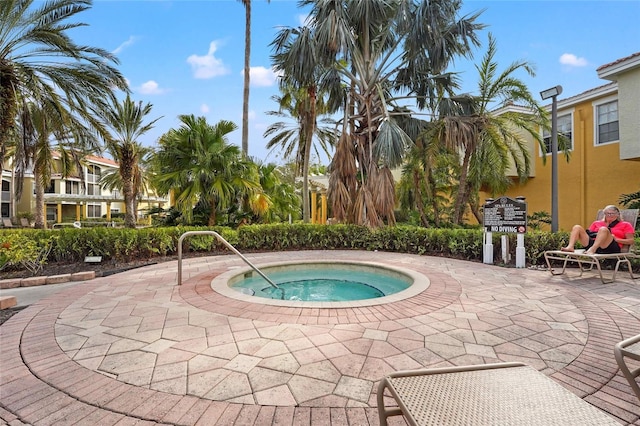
(603, 236)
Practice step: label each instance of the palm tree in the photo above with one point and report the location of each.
(488, 142)
(429, 179)
(247, 72)
(46, 132)
(631, 201)
(278, 200)
(382, 51)
(197, 163)
(126, 124)
(40, 64)
(292, 135)
(142, 177)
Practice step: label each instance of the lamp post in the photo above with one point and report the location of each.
(553, 94)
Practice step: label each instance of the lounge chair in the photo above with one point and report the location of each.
(629, 349)
(6, 222)
(24, 222)
(586, 262)
(493, 394)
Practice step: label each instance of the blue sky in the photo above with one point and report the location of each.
(186, 57)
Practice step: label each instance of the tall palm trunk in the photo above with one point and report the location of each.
(247, 70)
(434, 200)
(212, 213)
(419, 201)
(40, 222)
(309, 129)
(126, 172)
(461, 199)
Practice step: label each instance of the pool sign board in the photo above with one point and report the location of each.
(505, 215)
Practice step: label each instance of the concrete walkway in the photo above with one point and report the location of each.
(135, 348)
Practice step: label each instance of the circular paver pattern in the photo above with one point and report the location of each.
(190, 340)
(135, 346)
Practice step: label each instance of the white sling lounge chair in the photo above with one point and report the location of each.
(483, 395)
(626, 353)
(586, 262)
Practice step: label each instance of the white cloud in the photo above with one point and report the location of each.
(261, 76)
(124, 45)
(207, 66)
(204, 108)
(150, 88)
(572, 60)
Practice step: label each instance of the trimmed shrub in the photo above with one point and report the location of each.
(70, 245)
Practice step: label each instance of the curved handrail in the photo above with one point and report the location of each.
(227, 244)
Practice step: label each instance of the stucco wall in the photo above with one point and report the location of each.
(594, 176)
(629, 112)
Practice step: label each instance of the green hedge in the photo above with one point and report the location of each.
(125, 245)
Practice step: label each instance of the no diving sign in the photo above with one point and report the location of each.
(505, 215)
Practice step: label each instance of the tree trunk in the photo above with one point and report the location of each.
(309, 130)
(126, 174)
(40, 219)
(461, 199)
(129, 202)
(419, 202)
(476, 212)
(212, 214)
(247, 71)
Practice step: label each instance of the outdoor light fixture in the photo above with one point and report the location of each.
(554, 91)
(546, 94)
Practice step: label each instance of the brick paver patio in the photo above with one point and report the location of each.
(135, 348)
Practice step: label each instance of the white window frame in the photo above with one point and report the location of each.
(91, 210)
(6, 194)
(74, 185)
(52, 184)
(596, 120)
(5, 198)
(546, 134)
(51, 213)
(95, 176)
(95, 188)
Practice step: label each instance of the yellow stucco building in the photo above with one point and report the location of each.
(603, 127)
(72, 198)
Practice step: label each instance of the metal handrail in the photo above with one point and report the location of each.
(227, 244)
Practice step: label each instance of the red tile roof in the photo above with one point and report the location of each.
(618, 61)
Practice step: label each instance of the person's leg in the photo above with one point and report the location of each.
(577, 234)
(603, 239)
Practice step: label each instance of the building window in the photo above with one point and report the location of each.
(52, 213)
(93, 177)
(93, 174)
(607, 123)
(94, 210)
(5, 198)
(71, 187)
(49, 189)
(5, 191)
(565, 134)
(93, 189)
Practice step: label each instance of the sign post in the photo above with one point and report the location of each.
(487, 244)
(509, 216)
